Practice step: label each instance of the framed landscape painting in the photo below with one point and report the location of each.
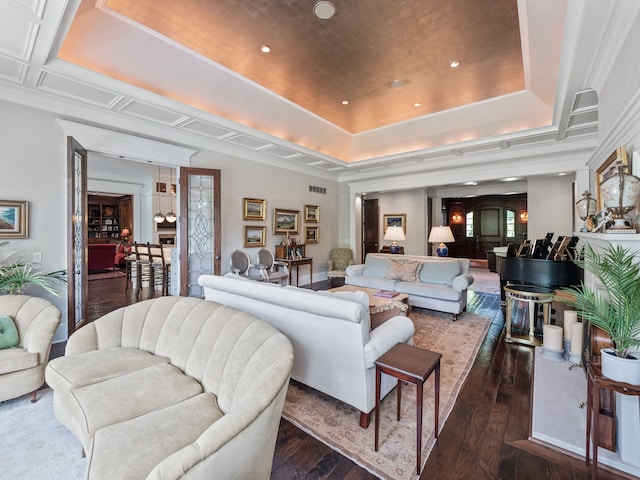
(311, 213)
(285, 221)
(254, 209)
(14, 219)
(311, 234)
(395, 220)
(254, 236)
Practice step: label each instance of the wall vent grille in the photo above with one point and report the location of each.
(317, 189)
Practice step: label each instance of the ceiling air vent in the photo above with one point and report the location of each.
(318, 189)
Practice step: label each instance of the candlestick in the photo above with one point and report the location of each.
(570, 316)
(576, 338)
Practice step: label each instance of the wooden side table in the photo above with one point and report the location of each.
(595, 383)
(410, 364)
(296, 263)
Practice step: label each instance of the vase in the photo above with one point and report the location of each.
(620, 369)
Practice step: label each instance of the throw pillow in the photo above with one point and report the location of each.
(8, 332)
(403, 270)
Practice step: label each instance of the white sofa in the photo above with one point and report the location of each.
(333, 345)
(436, 283)
(174, 388)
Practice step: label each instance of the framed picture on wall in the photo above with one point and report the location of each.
(311, 234)
(254, 209)
(395, 220)
(254, 236)
(285, 221)
(311, 213)
(14, 219)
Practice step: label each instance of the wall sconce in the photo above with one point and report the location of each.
(524, 216)
(456, 218)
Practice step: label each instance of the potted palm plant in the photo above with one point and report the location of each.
(15, 274)
(617, 313)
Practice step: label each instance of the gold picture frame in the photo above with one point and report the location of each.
(311, 234)
(605, 170)
(255, 236)
(286, 221)
(395, 219)
(14, 219)
(312, 214)
(254, 209)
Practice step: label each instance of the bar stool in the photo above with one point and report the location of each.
(160, 269)
(143, 266)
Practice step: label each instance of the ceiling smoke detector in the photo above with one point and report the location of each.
(324, 10)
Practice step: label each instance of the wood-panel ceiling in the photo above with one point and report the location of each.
(357, 54)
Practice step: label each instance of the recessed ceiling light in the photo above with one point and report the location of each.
(510, 179)
(470, 183)
(561, 174)
(417, 104)
(345, 102)
(455, 64)
(397, 83)
(324, 10)
(265, 48)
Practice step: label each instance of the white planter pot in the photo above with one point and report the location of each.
(620, 369)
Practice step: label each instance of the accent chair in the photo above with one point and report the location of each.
(339, 260)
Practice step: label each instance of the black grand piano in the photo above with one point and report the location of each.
(541, 263)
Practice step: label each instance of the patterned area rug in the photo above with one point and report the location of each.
(33, 444)
(337, 424)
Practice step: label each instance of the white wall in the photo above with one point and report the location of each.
(33, 159)
(551, 205)
(411, 203)
(281, 189)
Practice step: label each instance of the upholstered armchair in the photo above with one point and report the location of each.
(22, 366)
(339, 260)
(272, 271)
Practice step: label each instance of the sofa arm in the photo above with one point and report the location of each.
(395, 330)
(462, 282)
(82, 340)
(356, 270)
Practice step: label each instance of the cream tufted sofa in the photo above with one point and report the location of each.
(22, 368)
(174, 387)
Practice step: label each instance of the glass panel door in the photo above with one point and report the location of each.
(200, 233)
(77, 235)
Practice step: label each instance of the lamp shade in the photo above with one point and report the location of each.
(395, 234)
(441, 235)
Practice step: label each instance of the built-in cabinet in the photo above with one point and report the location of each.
(107, 217)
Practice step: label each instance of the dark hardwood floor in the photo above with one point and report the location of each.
(485, 437)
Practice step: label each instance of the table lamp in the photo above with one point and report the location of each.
(441, 235)
(395, 234)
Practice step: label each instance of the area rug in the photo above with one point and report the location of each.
(33, 444)
(337, 424)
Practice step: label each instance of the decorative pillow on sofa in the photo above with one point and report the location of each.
(403, 270)
(8, 332)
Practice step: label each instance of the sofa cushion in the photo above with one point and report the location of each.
(371, 282)
(442, 272)
(130, 395)
(16, 359)
(441, 292)
(8, 332)
(122, 450)
(375, 266)
(403, 270)
(65, 373)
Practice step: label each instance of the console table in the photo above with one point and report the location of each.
(296, 263)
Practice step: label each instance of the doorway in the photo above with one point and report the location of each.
(370, 227)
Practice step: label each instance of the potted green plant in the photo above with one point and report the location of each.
(618, 312)
(15, 274)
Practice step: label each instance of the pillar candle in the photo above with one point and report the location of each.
(570, 316)
(576, 338)
(552, 337)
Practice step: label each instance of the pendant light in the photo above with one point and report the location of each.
(158, 217)
(171, 217)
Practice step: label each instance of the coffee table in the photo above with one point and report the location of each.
(381, 309)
